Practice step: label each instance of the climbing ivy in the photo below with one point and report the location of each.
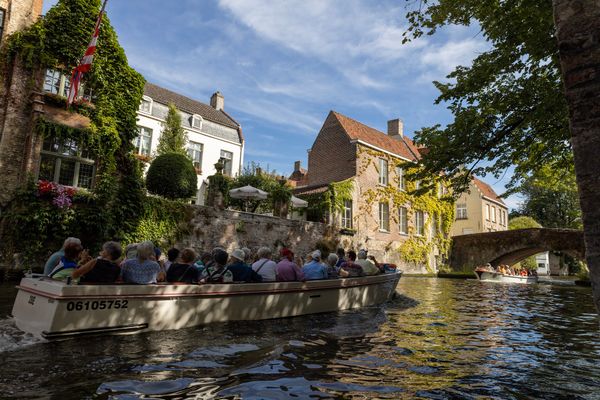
(58, 41)
(437, 204)
(323, 204)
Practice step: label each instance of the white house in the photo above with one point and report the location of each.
(212, 133)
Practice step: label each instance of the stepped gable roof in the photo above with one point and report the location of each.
(403, 147)
(165, 96)
(487, 190)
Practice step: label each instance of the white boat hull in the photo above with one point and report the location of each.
(49, 308)
(497, 277)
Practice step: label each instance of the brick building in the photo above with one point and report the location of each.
(384, 214)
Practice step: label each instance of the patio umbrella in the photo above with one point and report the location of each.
(248, 193)
(299, 203)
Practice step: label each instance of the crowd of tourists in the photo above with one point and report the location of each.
(144, 263)
(507, 270)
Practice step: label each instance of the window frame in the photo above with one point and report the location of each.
(419, 228)
(459, 214)
(149, 100)
(383, 178)
(346, 222)
(193, 151)
(487, 212)
(60, 156)
(196, 117)
(384, 223)
(493, 214)
(226, 161)
(403, 220)
(138, 141)
(401, 179)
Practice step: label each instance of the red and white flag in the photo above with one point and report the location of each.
(86, 62)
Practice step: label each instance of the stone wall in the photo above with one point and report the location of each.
(209, 227)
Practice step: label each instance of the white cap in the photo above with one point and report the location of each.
(316, 254)
(239, 254)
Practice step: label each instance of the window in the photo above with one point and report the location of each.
(65, 162)
(384, 217)
(487, 212)
(146, 105)
(420, 222)
(227, 160)
(196, 122)
(53, 82)
(403, 220)
(143, 142)
(347, 215)
(493, 214)
(195, 153)
(383, 172)
(2, 17)
(401, 179)
(461, 211)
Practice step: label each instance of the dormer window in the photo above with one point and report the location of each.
(146, 105)
(196, 122)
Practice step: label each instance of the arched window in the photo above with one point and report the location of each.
(146, 105)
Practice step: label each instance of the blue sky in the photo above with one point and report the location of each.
(282, 65)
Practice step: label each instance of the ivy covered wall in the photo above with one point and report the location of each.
(117, 208)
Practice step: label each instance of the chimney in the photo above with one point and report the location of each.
(217, 101)
(396, 128)
(296, 166)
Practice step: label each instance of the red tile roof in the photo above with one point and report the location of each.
(487, 190)
(312, 189)
(403, 147)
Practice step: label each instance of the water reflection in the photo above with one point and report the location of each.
(440, 339)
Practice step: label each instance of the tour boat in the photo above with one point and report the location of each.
(52, 309)
(488, 276)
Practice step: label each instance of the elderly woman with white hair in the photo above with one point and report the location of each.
(264, 266)
(143, 269)
(331, 262)
(54, 259)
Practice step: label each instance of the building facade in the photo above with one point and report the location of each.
(212, 134)
(383, 214)
(479, 210)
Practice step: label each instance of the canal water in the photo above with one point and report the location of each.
(440, 339)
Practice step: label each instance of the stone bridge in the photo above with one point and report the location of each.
(510, 247)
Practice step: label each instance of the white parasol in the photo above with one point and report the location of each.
(299, 203)
(248, 193)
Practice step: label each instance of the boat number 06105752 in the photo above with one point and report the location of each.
(96, 305)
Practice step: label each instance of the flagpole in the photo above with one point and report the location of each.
(85, 63)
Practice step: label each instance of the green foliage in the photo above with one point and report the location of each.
(551, 198)
(58, 41)
(173, 138)
(508, 107)
(253, 175)
(172, 176)
(321, 205)
(523, 223)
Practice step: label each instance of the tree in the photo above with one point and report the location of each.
(172, 176)
(253, 175)
(551, 199)
(173, 138)
(578, 24)
(505, 106)
(524, 223)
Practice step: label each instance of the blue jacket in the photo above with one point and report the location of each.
(314, 270)
(243, 273)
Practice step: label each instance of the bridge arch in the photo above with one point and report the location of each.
(510, 247)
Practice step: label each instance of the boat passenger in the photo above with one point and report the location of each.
(349, 268)
(215, 270)
(341, 253)
(374, 261)
(287, 270)
(184, 270)
(203, 261)
(264, 266)
(314, 270)
(143, 269)
(242, 272)
(249, 255)
(103, 269)
(367, 265)
(68, 262)
(172, 255)
(331, 262)
(131, 251)
(54, 259)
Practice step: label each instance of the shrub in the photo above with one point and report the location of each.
(172, 176)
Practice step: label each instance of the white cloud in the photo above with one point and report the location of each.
(440, 60)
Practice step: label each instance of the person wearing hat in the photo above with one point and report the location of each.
(242, 272)
(350, 268)
(367, 265)
(287, 269)
(314, 269)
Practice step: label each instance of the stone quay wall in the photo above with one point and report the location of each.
(209, 227)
